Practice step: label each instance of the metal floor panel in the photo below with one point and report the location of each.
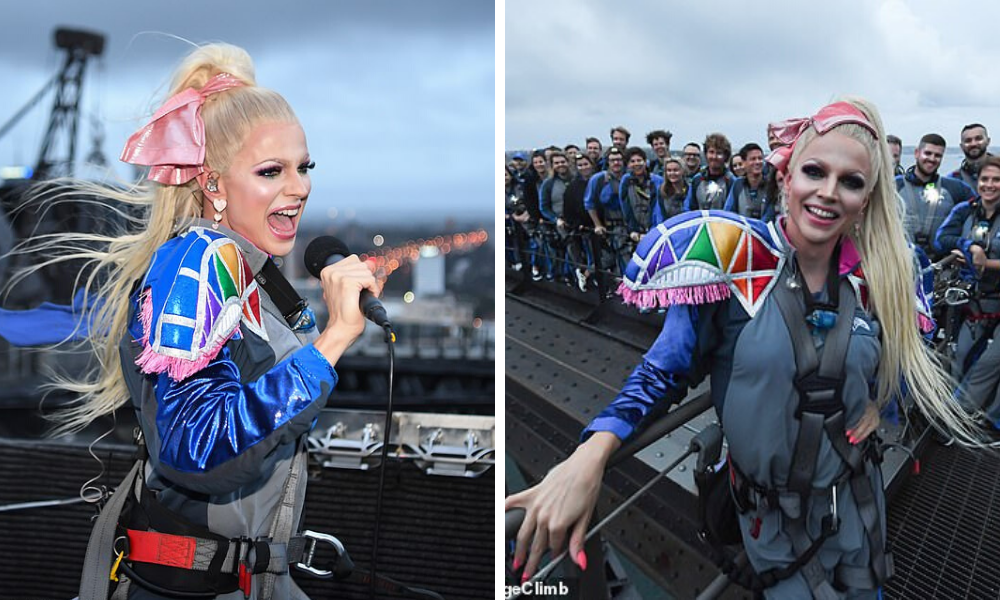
(580, 370)
(944, 527)
(436, 532)
(656, 533)
(559, 375)
(561, 371)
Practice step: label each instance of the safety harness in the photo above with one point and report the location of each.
(193, 562)
(981, 231)
(190, 561)
(925, 212)
(819, 382)
(717, 199)
(138, 541)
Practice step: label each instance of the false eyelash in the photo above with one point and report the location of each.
(311, 165)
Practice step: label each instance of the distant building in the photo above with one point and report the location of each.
(428, 274)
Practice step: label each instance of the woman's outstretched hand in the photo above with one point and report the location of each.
(559, 508)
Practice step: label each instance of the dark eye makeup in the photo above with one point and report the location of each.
(851, 182)
(275, 170)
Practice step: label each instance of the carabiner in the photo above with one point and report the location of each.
(309, 552)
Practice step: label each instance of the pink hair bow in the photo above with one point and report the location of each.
(173, 142)
(828, 117)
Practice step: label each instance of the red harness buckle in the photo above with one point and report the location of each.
(245, 577)
(161, 548)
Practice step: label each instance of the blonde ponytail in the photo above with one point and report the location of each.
(891, 274)
(122, 258)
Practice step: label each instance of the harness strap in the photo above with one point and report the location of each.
(855, 577)
(194, 553)
(976, 350)
(820, 387)
(819, 381)
(121, 592)
(812, 570)
(293, 495)
(852, 455)
(974, 317)
(292, 307)
(864, 497)
(94, 583)
(803, 466)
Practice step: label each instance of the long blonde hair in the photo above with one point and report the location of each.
(121, 260)
(890, 272)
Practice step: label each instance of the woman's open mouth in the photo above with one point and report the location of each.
(284, 221)
(821, 213)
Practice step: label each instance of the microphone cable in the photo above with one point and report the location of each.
(390, 340)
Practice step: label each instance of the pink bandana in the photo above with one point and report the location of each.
(173, 142)
(824, 120)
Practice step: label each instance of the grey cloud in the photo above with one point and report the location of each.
(575, 68)
(391, 92)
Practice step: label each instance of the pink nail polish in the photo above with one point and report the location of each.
(517, 564)
(581, 560)
(525, 577)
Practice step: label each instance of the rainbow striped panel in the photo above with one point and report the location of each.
(705, 256)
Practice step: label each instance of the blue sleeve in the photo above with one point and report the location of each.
(965, 192)
(668, 368)
(589, 201)
(659, 211)
(689, 199)
(770, 212)
(730, 204)
(949, 234)
(624, 205)
(545, 201)
(215, 430)
(900, 181)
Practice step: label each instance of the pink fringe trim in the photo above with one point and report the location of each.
(925, 323)
(146, 315)
(176, 368)
(697, 294)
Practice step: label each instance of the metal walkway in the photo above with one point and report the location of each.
(567, 355)
(563, 365)
(435, 531)
(944, 527)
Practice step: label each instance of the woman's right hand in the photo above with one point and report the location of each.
(561, 505)
(342, 284)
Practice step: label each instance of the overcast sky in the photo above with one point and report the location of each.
(396, 97)
(575, 68)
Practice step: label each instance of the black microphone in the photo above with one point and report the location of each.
(326, 250)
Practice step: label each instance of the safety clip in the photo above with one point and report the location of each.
(309, 552)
